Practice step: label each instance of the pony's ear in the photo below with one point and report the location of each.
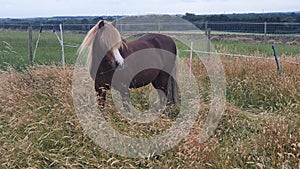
(101, 24)
(114, 23)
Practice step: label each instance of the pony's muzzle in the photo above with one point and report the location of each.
(117, 65)
(119, 59)
(120, 66)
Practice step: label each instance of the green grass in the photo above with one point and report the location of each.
(256, 49)
(14, 49)
(256, 86)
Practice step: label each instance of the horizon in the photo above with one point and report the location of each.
(244, 13)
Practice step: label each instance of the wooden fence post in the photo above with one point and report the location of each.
(208, 40)
(191, 59)
(158, 26)
(121, 25)
(206, 27)
(30, 53)
(2, 26)
(265, 32)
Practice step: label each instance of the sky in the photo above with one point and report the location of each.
(49, 8)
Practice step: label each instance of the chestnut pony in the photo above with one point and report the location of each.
(108, 52)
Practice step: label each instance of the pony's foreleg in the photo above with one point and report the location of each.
(101, 93)
(125, 98)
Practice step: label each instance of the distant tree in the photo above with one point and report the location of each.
(97, 19)
(84, 21)
(298, 18)
(53, 22)
(289, 19)
(192, 17)
(110, 18)
(274, 19)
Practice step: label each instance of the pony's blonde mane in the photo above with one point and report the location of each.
(98, 42)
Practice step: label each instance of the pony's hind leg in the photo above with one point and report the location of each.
(161, 83)
(168, 96)
(168, 85)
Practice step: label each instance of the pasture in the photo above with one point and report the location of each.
(39, 127)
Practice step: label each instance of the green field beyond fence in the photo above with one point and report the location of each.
(14, 48)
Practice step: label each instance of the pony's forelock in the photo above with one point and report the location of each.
(108, 37)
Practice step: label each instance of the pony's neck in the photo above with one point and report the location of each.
(124, 45)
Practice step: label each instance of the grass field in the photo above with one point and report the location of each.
(39, 127)
(14, 49)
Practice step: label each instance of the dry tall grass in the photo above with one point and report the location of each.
(260, 128)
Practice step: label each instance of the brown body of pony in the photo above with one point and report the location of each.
(104, 42)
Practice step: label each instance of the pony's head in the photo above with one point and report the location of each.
(102, 43)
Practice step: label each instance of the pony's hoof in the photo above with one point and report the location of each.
(171, 111)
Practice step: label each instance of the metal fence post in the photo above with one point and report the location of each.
(62, 44)
(30, 53)
(276, 59)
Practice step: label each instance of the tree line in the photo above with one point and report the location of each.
(236, 21)
(292, 17)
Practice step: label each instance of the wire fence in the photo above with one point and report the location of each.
(253, 27)
(270, 28)
(275, 33)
